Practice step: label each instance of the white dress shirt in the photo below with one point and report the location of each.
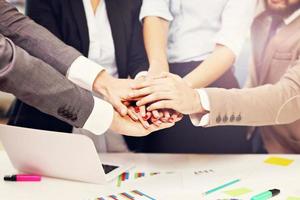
(102, 51)
(101, 48)
(83, 72)
(197, 119)
(197, 26)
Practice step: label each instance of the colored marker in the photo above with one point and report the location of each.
(266, 195)
(221, 187)
(23, 178)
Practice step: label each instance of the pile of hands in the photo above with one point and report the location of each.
(147, 104)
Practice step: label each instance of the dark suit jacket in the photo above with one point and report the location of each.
(31, 80)
(30, 76)
(67, 20)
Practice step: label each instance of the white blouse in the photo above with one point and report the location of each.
(101, 48)
(101, 51)
(196, 26)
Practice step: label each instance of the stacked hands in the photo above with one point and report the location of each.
(147, 104)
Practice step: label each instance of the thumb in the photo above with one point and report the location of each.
(121, 108)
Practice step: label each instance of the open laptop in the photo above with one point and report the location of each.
(59, 155)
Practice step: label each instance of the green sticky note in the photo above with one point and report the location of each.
(293, 198)
(279, 161)
(237, 192)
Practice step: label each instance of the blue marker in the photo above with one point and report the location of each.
(221, 186)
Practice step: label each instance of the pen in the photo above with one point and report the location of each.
(221, 187)
(23, 178)
(266, 195)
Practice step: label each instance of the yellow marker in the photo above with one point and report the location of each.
(238, 192)
(279, 161)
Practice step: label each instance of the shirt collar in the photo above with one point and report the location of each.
(292, 17)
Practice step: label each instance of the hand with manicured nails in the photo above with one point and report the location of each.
(126, 126)
(116, 91)
(157, 117)
(167, 91)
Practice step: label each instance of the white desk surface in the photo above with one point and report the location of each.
(255, 174)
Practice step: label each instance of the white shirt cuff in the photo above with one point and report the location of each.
(140, 74)
(101, 117)
(83, 72)
(200, 119)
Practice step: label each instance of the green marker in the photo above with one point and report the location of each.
(266, 195)
(221, 187)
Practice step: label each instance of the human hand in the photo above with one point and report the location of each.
(113, 90)
(167, 91)
(156, 117)
(126, 126)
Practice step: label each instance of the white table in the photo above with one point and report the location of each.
(254, 173)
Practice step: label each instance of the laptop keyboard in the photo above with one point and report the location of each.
(109, 168)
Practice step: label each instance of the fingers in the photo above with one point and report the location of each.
(132, 114)
(176, 117)
(156, 114)
(121, 108)
(154, 97)
(145, 124)
(155, 121)
(164, 104)
(143, 111)
(166, 116)
(149, 82)
(141, 84)
(142, 120)
(140, 93)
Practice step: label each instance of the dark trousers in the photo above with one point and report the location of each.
(186, 138)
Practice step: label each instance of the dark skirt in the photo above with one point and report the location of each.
(186, 138)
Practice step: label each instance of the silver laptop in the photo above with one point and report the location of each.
(59, 155)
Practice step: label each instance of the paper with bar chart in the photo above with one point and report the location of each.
(131, 195)
(131, 176)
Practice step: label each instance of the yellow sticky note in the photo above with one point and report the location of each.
(279, 161)
(237, 192)
(293, 198)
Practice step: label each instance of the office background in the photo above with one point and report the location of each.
(241, 68)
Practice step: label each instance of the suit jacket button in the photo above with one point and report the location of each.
(225, 118)
(70, 116)
(60, 111)
(66, 114)
(239, 118)
(232, 118)
(74, 118)
(219, 119)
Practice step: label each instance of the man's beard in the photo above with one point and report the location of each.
(284, 12)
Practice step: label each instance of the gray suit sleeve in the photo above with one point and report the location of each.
(6, 55)
(39, 85)
(35, 39)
